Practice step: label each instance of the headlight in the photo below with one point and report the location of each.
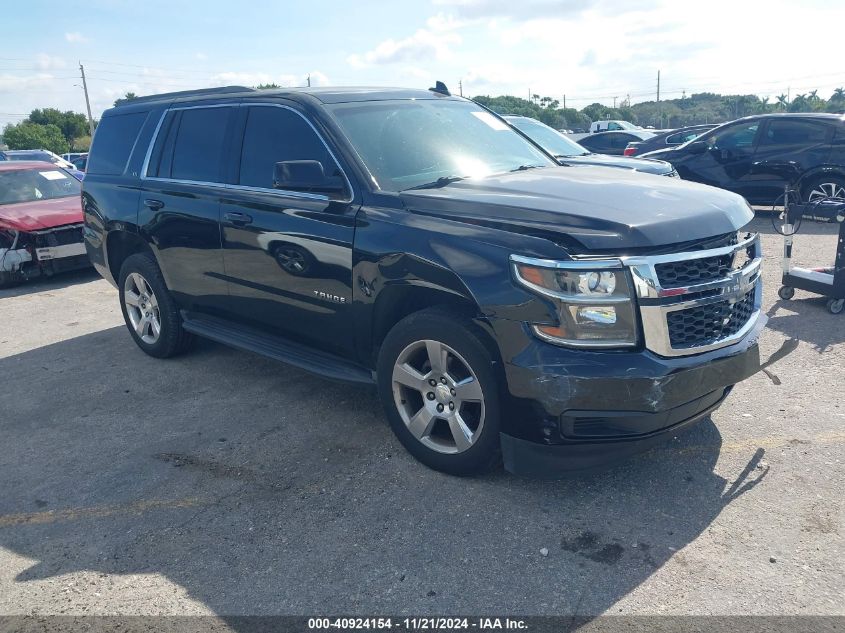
(595, 305)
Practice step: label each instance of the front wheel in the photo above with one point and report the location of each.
(440, 393)
(836, 306)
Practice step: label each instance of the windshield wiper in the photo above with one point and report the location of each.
(435, 184)
(524, 167)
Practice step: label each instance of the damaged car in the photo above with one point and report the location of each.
(40, 221)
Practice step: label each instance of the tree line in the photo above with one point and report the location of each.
(703, 107)
(60, 132)
(51, 129)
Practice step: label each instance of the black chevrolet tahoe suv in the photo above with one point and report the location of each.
(505, 307)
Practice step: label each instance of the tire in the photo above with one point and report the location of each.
(822, 187)
(786, 292)
(456, 419)
(836, 306)
(149, 311)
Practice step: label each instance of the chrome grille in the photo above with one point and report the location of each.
(693, 271)
(695, 301)
(709, 323)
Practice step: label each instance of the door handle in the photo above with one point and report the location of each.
(237, 218)
(155, 205)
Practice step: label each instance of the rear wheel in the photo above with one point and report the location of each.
(149, 311)
(440, 393)
(836, 306)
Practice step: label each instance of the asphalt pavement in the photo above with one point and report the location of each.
(224, 483)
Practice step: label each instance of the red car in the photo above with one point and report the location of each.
(40, 221)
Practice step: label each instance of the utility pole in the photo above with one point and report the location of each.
(87, 101)
(308, 79)
(461, 87)
(659, 116)
(614, 103)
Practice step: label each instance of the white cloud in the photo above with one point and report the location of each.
(76, 38)
(48, 62)
(201, 56)
(419, 46)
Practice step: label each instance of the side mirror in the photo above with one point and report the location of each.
(697, 147)
(307, 176)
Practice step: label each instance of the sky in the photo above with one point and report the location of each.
(588, 50)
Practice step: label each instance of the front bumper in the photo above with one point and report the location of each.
(575, 409)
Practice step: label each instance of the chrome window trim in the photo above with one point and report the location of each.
(237, 187)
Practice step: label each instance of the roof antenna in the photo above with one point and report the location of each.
(441, 88)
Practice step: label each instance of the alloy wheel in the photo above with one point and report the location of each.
(142, 308)
(826, 190)
(438, 396)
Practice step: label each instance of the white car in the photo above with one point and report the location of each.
(611, 126)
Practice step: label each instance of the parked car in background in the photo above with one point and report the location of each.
(758, 156)
(501, 304)
(611, 126)
(72, 155)
(613, 143)
(80, 162)
(40, 221)
(568, 152)
(42, 155)
(667, 139)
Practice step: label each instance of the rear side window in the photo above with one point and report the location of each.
(273, 135)
(795, 132)
(113, 142)
(190, 145)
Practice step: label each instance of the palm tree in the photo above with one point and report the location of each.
(764, 105)
(782, 101)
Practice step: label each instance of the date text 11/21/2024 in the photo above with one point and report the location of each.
(418, 624)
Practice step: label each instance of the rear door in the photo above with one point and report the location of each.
(179, 207)
(788, 147)
(288, 254)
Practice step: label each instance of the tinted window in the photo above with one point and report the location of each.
(735, 137)
(683, 137)
(113, 142)
(595, 142)
(273, 135)
(198, 145)
(794, 132)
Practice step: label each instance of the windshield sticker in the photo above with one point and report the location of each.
(52, 175)
(490, 120)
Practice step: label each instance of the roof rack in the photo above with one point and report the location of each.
(186, 93)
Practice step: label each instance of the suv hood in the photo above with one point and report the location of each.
(646, 166)
(603, 209)
(41, 214)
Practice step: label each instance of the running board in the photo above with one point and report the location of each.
(252, 340)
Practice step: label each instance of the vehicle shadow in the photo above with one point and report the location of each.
(53, 282)
(259, 490)
(807, 319)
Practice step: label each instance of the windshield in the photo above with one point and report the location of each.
(29, 185)
(413, 142)
(549, 139)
